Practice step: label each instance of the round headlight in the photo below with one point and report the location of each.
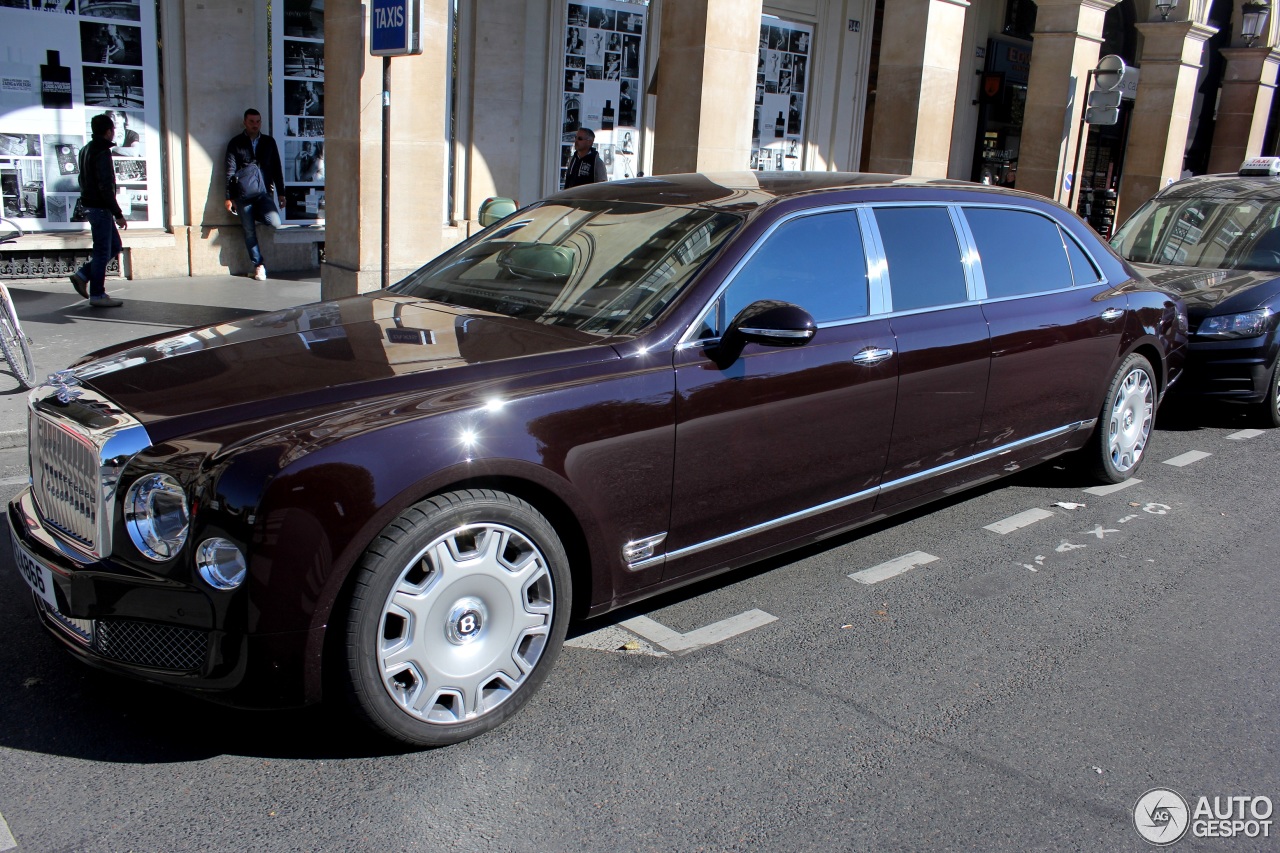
(220, 563)
(156, 516)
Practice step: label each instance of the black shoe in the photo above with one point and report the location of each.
(81, 284)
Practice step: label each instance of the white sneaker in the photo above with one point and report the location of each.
(260, 273)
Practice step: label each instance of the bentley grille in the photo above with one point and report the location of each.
(65, 473)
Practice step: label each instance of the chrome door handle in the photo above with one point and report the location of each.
(1112, 314)
(872, 355)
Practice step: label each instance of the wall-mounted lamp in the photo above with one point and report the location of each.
(1253, 20)
(1165, 7)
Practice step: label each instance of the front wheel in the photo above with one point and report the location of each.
(1269, 409)
(1119, 441)
(458, 612)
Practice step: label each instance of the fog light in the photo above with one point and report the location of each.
(220, 563)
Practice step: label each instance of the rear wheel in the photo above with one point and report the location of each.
(458, 613)
(1119, 441)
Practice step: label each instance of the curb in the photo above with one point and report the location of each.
(13, 438)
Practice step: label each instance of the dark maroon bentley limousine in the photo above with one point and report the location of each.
(402, 497)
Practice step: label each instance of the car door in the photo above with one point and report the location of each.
(944, 351)
(779, 442)
(1055, 326)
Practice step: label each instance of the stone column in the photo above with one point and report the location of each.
(419, 229)
(1244, 104)
(1068, 38)
(706, 85)
(920, 59)
(1171, 57)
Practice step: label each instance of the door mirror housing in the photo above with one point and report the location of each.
(772, 323)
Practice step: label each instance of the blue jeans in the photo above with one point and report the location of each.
(261, 208)
(106, 245)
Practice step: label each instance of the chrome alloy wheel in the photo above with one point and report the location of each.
(465, 623)
(1131, 412)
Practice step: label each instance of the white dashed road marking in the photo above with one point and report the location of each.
(896, 566)
(662, 636)
(1106, 490)
(1246, 433)
(7, 841)
(1015, 522)
(1187, 458)
(611, 638)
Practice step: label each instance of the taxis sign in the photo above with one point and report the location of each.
(395, 27)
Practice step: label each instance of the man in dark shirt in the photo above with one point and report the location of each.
(255, 181)
(585, 166)
(98, 197)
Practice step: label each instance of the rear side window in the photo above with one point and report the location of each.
(1021, 251)
(923, 257)
(1082, 268)
(815, 262)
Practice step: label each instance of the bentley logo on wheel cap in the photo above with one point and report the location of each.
(466, 620)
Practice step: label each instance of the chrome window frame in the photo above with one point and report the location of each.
(879, 280)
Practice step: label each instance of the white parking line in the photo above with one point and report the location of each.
(1022, 519)
(15, 481)
(611, 638)
(1106, 490)
(1246, 433)
(7, 841)
(893, 567)
(1187, 458)
(662, 636)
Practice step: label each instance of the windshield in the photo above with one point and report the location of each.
(602, 267)
(1204, 232)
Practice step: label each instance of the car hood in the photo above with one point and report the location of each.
(327, 355)
(1214, 291)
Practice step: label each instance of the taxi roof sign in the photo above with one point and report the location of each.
(1269, 166)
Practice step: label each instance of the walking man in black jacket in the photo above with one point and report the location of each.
(98, 197)
(255, 181)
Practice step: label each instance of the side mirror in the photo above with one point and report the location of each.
(773, 324)
(495, 209)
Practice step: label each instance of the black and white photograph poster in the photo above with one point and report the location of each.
(297, 120)
(777, 129)
(603, 64)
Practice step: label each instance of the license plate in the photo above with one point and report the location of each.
(36, 574)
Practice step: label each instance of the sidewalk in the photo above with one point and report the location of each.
(62, 326)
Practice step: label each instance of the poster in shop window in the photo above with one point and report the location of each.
(297, 60)
(782, 83)
(603, 74)
(66, 61)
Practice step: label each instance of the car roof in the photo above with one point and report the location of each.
(739, 191)
(1225, 186)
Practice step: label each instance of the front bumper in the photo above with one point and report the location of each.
(1236, 371)
(119, 619)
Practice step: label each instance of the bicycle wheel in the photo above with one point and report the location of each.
(13, 342)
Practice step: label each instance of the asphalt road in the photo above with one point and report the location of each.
(1019, 692)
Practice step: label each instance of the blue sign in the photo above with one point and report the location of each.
(394, 27)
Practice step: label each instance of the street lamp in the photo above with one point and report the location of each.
(1165, 7)
(1253, 20)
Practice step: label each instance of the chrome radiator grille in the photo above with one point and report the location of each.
(65, 474)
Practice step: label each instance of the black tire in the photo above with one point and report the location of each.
(458, 612)
(1269, 408)
(1119, 441)
(14, 345)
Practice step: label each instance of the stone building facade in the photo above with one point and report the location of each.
(970, 89)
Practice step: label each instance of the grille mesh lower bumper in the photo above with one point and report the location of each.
(149, 644)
